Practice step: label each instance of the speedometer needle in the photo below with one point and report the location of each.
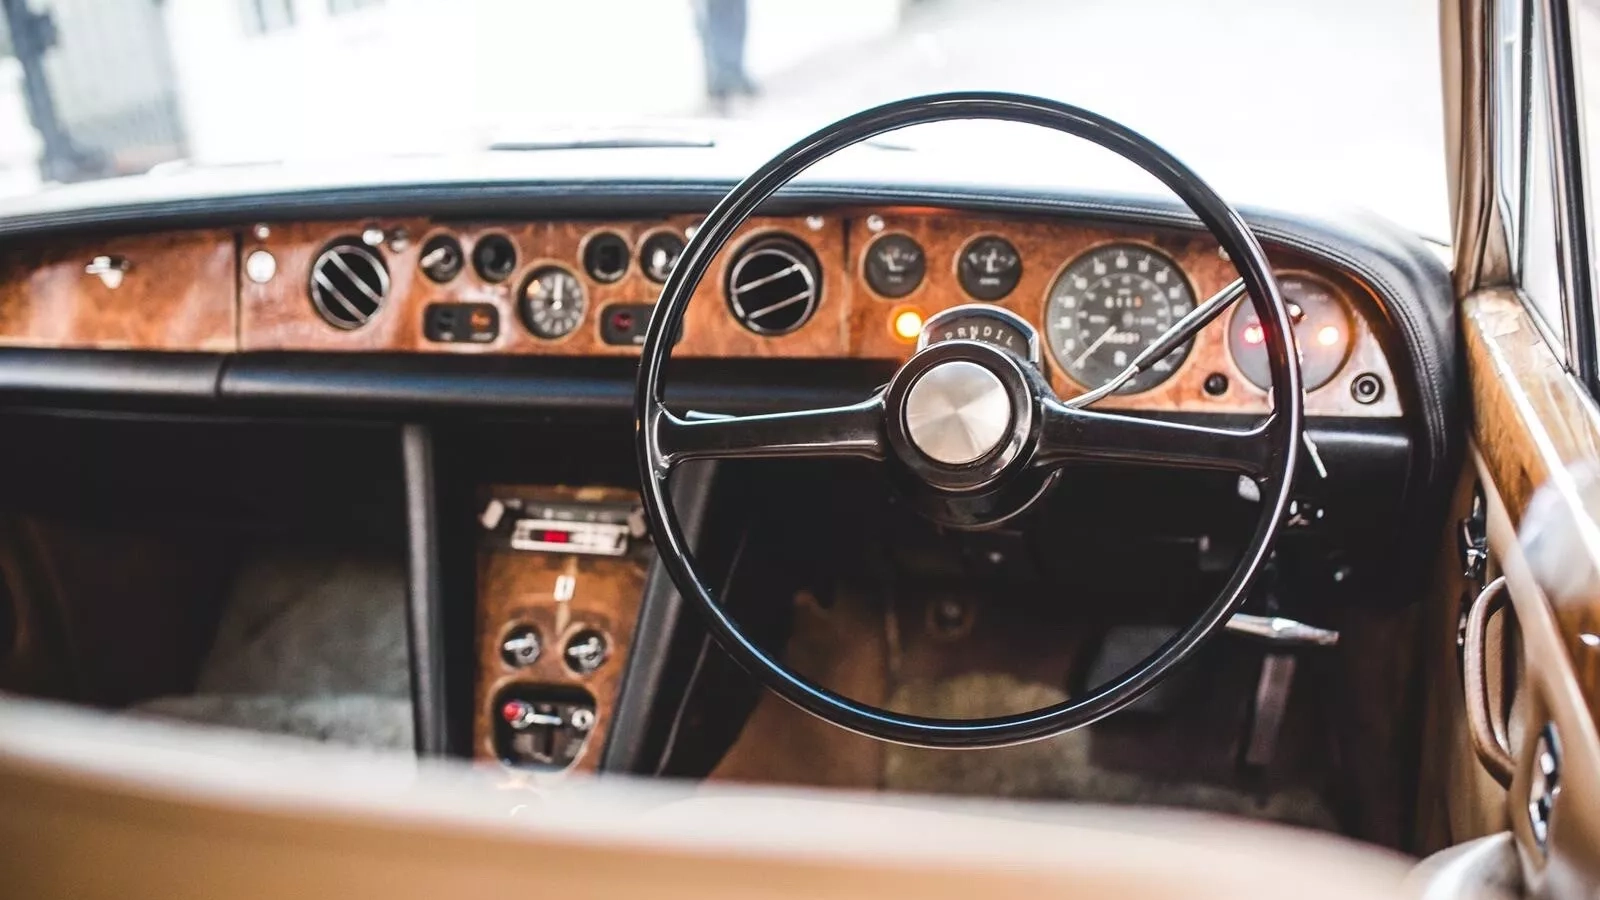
(1078, 363)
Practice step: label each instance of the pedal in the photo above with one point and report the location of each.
(1271, 702)
(1282, 632)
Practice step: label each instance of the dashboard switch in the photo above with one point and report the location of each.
(623, 324)
(521, 647)
(586, 651)
(461, 323)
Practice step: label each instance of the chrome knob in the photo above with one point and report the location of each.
(957, 412)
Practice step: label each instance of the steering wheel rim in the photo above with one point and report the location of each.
(1283, 425)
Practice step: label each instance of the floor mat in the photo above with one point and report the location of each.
(1061, 768)
(996, 664)
(308, 645)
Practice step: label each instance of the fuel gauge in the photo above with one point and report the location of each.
(1322, 329)
(894, 265)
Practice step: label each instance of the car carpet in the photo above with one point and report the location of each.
(308, 645)
(995, 667)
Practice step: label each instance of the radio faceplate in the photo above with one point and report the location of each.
(535, 526)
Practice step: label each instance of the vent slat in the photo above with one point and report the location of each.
(349, 284)
(774, 285)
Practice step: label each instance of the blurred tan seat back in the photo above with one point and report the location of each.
(96, 806)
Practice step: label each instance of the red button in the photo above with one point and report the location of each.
(513, 710)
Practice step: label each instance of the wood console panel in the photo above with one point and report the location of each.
(177, 293)
(851, 321)
(517, 588)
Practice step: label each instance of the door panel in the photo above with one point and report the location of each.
(1536, 444)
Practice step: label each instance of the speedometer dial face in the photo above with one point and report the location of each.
(1109, 305)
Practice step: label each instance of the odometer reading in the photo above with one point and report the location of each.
(1108, 306)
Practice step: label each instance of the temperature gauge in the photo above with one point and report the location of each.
(989, 268)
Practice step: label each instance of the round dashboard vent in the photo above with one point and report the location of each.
(774, 285)
(349, 283)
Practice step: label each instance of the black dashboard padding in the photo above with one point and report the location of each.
(419, 382)
(108, 374)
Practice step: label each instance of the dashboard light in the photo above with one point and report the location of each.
(906, 324)
(1327, 335)
(1253, 334)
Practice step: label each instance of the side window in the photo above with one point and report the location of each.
(1539, 267)
(1510, 108)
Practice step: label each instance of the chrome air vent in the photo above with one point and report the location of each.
(774, 285)
(349, 283)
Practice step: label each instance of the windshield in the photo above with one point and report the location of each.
(1282, 102)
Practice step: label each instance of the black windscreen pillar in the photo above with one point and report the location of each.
(424, 603)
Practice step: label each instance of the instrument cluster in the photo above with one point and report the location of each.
(1108, 303)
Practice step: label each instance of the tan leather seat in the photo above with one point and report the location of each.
(99, 806)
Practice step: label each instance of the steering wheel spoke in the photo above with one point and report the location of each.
(1070, 435)
(841, 431)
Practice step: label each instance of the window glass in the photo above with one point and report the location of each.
(1585, 18)
(1540, 269)
(1509, 79)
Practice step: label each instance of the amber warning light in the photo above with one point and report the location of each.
(906, 324)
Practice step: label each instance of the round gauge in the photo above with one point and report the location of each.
(989, 268)
(985, 324)
(1322, 330)
(551, 302)
(658, 254)
(494, 257)
(605, 257)
(894, 265)
(1108, 306)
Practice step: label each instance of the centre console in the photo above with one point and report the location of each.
(561, 576)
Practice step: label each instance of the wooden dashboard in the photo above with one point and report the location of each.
(249, 290)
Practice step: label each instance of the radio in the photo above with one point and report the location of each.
(596, 529)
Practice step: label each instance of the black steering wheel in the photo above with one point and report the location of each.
(971, 433)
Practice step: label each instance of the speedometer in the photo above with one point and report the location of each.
(1110, 304)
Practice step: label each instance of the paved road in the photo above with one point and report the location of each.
(1334, 100)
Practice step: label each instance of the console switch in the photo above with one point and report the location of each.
(542, 728)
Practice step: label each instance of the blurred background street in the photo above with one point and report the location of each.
(1338, 99)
